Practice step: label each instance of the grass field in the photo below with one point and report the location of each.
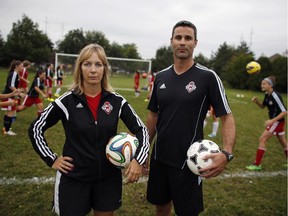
(26, 183)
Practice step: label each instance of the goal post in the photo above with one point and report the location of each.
(116, 65)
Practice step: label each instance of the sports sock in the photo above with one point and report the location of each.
(259, 156)
(58, 90)
(7, 122)
(215, 128)
(205, 123)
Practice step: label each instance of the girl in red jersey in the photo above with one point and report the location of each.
(275, 125)
(12, 84)
(137, 83)
(23, 76)
(32, 96)
(151, 78)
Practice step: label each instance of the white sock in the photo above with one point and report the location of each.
(58, 90)
(215, 128)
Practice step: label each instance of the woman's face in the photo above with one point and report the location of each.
(92, 70)
(265, 86)
(42, 76)
(19, 68)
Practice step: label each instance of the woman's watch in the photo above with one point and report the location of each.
(228, 155)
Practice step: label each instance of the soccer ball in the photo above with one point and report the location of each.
(144, 75)
(253, 67)
(197, 151)
(121, 149)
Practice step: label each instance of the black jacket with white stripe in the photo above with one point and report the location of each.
(85, 139)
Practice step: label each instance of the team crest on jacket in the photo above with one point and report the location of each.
(107, 107)
(190, 87)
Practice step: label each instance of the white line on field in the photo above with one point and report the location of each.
(238, 101)
(51, 180)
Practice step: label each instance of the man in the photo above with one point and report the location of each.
(181, 97)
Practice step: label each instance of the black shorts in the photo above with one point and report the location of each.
(181, 186)
(73, 197)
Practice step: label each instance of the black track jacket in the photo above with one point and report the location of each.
(86, 139)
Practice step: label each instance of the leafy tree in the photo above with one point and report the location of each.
(254, 80)
(73, 42)
(201, 59)
(235, 71)
(26, 41)
(2, 50)
(116, 50)
(221, 58)
(280, 72)
(163, 59)
(130, 51)
(98, 38)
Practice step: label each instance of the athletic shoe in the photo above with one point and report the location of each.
(56, 95)
(211, 135)
(51, 99)
(10, 133)
(253, 167)
(146, 100)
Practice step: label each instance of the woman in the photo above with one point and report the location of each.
(32, 96)
(275, 125)
(89, 112)
(12, 84)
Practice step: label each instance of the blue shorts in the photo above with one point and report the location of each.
(167, 183)
(73, 197)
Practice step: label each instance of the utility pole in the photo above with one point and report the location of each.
(251, 37)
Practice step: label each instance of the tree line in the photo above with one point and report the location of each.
(26, 41)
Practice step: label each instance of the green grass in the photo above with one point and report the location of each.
(222, 195)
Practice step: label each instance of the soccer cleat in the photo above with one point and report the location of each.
(10, 133)
(211, 135)
(56, 95)
(51, 99)
(146, 100)
(253, 167)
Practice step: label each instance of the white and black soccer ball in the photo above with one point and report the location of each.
(197, 151)
(121, 149)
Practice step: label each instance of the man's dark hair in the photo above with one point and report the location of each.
(185, 23)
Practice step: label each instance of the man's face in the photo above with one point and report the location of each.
(183, 42)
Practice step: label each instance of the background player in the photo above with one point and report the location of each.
(32, 97)
(137, 83)
(151, 78)
(11, 85)
(275, 125)
(23, 76)
(215, 125)
(59, 79)
(49, 81)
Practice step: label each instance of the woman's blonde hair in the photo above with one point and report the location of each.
(86, 53)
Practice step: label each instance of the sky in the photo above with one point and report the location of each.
(262, 24)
